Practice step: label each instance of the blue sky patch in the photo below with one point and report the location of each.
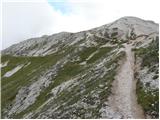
(61, 6)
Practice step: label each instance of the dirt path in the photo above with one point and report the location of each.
(124, 99)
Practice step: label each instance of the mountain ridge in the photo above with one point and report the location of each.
(77, 75)
(114, 24)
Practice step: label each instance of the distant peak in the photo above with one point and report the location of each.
(132, 18)
(129, 18)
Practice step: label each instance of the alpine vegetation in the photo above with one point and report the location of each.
(107, 72)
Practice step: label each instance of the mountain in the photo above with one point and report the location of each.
(107, 72)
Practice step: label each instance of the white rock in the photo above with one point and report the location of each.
(13, 71)
(4, 64)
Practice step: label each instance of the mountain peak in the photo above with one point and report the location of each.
(121, 28)
(133, 19)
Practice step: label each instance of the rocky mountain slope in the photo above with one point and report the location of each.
(107, 72)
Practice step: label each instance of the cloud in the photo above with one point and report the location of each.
(24, 19)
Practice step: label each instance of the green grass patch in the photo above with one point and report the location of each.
(86, 53)
(26, 75)
(149, 100)
(149, 55)
(100, 40)
(101, 53)
(66, 73)
(148, 97)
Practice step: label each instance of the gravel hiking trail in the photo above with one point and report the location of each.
(124, 99)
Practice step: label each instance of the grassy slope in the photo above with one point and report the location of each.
(11, 85)
(73, 96)
(26, 75)
(148, 97)
(29, 74)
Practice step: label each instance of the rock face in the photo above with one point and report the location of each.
(107, 72)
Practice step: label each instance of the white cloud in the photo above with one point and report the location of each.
(23, 20)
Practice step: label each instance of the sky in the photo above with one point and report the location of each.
(24, 19)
